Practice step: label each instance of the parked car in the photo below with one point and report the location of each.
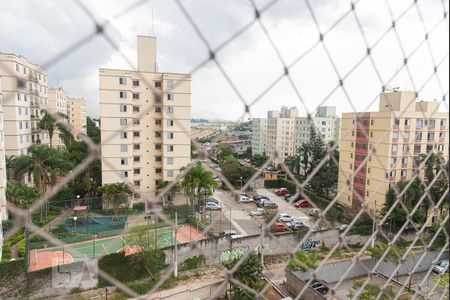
(213, 206)
(313, 211)
(285, 218)
(293, 198)
(319, 285)
(227, 233)
(257, 212)
(296, 225)
(341, 227)
(245, 199)
(441, 267)
(301, 203)
(281, 192)
(269, 205)
(279, 227)
(287, 196)
(244, 194)
(260, 202)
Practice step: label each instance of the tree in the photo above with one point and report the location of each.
(373, 291)
(259, 159)
(117, 193)
(150, 256)
(48, 123)
(224, 151)
(230, 168)
(197, 182)
(171, 193)
(92, 130)
(248, 273)
(20, 195)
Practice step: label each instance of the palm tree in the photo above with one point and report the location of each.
(49, 124)
(115, 192)
(163, 184)
(20, 195)
(197, 182)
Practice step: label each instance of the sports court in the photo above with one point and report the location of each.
(74, 252)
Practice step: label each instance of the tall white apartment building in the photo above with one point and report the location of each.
(3, 210)
(145, 138)
(259, 131)
(24, 86)
(57, 103)
(325, 122)
(76, 113)
(281, 134)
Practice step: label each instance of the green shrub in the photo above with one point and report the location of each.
(192, 263)
(304, 261)
(120, 267)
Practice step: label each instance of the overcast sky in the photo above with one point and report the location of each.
(40, 30)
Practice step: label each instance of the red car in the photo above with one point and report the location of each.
(301, 203)
(282, 192)
(279, 227)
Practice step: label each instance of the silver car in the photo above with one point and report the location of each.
(441, 267)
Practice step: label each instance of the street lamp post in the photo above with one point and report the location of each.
(241, 182)
(75, 222)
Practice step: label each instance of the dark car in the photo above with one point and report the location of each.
(269, 205)
(319, 285)
(260, 201)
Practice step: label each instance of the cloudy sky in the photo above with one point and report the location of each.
(41, 30)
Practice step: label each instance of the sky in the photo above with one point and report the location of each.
(253, 61)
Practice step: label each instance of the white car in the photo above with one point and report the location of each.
(313, 211)
(341, 227)
(213, 206)
(245, 199)
(257, 212)
(441, 267)
(285, 218)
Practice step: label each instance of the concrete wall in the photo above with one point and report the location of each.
(284, 243)
(295, 285)
(198, 291)
(333, 272)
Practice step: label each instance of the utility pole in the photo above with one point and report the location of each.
(175, 250)
(262, 245)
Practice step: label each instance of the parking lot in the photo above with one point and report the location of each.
(236, 215)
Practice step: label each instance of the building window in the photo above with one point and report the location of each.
(123, 108)
(158, 146)
(136, 109)
(135, 96)
(136, 146)
(157, 109)
(136, 158)
(158, 158)
(430, 136)
(404, 160)
(419, 123)
(125, 174)
(124, 161)
(123, 135)
(392, 173)
(170, 96)
(136, 122)
(440, 148)
(122, 80)
(403, 173)
(123, 148)
(135, 82)
(394, 148)
(406, 135)
(123, 122)
(170, 160)
(442, 135)
(169, 148)
(17, 68)
(137, 183)
(170, 123)
(432, 123)
(169, 173)
(170, 110)
(170, 135)
(170, 83)
(158, 170)
(371, 122)
(407, 122)
(405, 148)
(443, 122)
(157, 134)
(395, 135)
(122, 95)
(136, 134)
(157, 84)
(418, 136)
(136, 171)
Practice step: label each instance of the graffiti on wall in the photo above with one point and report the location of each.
(309, 245)
(229, 255)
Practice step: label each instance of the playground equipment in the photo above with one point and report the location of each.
(82, 221)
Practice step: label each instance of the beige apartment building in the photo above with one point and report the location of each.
(281, 133)
(398, 132)
(76, 113)
(24, 87)
(145, 138)
(3, 210)
(57, 104)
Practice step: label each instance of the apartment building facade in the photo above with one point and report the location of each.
(145, 123)
(76, 114)
(325, 122)
(281, 133)
(259, 131)
(3, 209)
(384, 147)
(24, 88)
(57, 104)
